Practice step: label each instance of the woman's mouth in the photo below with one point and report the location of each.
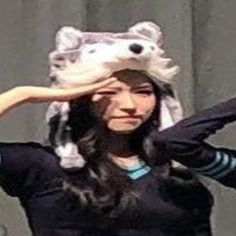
(127, 118)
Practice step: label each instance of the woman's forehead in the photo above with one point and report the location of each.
(131, 78)
(131, 83)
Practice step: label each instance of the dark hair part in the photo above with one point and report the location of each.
(100, 185)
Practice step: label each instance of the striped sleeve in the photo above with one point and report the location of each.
(222, 165)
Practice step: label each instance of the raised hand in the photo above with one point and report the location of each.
(35, 94)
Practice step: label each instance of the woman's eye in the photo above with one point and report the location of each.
(107, 93)
(144, 92)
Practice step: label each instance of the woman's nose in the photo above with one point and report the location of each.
(127, 102)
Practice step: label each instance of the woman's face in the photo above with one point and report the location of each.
(125, 104)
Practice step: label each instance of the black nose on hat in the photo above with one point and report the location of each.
(136, 48)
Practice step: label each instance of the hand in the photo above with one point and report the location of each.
(24, 94)
(36, 94)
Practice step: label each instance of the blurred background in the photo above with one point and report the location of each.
(199, 34)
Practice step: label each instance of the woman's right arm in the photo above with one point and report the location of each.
(20, 162)
(11, 99)
(36, 94)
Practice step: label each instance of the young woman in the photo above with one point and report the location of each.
(184, 142)
(119, 191)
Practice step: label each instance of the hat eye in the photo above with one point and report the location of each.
(92, 50)
(152, 48)
(53, 78)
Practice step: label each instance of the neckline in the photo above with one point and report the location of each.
(137, 171)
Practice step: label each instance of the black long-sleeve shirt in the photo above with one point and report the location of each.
(172, 205)
(184, 143)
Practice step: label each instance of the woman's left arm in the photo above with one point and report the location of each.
(184, 142)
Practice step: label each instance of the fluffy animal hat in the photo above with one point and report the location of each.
(77, 52)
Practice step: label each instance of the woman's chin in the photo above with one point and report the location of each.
(127, 129)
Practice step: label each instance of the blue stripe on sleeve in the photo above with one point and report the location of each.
(220, 167)
(217, 160)
(227, 170)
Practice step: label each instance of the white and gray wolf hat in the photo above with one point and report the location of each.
(140, 48)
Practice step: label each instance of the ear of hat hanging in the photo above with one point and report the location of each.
(77, 53)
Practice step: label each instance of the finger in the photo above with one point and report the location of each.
(67, 94)
(100, 84)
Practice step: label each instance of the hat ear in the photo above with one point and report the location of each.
(68, 38)
(149, 30)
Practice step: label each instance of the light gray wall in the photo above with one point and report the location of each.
(214, 58)
(199, 35)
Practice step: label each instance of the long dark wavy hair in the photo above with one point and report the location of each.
(101, 186)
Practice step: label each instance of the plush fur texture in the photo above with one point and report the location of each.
(77, 53)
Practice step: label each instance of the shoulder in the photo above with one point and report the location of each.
(26, 168)
(24, 146)
(17, 156)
